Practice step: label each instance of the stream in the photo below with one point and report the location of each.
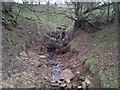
(56, 68)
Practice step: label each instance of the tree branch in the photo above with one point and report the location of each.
(98, 7)
(18, 14)
(63, 13)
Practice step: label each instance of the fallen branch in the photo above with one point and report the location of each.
(18, 14)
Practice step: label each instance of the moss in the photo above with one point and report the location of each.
(12, 37)
(108, 80)
(17, 83)
(92, 63)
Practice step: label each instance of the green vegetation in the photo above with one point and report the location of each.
(92, 63)
(51, 20)
(17, 84)
(105, 42)
(108, 80)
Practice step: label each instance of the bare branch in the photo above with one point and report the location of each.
(63, 13)
(98, 7)
(18, 14)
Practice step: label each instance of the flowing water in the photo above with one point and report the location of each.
(56, 68)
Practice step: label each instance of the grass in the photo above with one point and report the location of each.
(17, 83)
(108, 80)
(103, 42)
(51, 20)
(92, 63)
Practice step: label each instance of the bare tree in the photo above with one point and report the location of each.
(116, 14)
(108, 12)
(48, 9)
(39, 2)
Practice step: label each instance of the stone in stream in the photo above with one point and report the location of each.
(51, 62)
(63, 85)
(66, 75)
(56, 72)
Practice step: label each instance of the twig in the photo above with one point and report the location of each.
(18, 14)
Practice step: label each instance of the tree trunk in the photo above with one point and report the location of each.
(48, 7)
(39, 2)
(77, 7)
(116, 14)
(77, 23)
(108, 9)
(7, 7)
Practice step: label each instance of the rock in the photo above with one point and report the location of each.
(54, 83)
(87, 81)
(18, 58)
(78, 72)
(83, 84)
(52, 46)
(79, 87)
(42, 56)
(51, 62)
(69, 86)
(46, 78)
(57, 42)
(23, 54)
(68, 80)
(31, 54)
(63, 85)
(66, 75)
(82, 79)
(63, 50)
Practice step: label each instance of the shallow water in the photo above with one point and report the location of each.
(56, 68)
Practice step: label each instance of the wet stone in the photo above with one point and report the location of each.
(63, 85)
(66, 75)
(54, 84)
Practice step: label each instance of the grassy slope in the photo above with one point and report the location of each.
(47, 20)
(103, 57)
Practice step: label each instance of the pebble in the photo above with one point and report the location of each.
(46, 78)
(79, 86)
(54, 84)
(83, 84)
(87, 81)
(68, 80)
(42, 56)
(23, 53)
(69, 86)
(53, 81)
(78, 72)
(63, 85)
